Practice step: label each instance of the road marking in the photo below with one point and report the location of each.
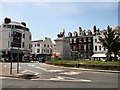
(49, 70)
(68, 79)
(70, 73)
(31, 65)
(62, 78)
(58, 78)
(55, 70)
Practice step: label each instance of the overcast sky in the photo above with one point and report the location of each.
(47, 19)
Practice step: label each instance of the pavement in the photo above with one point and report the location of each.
(6, 71)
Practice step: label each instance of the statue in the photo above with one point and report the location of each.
(61, 34)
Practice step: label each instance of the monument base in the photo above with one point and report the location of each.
(63, 48)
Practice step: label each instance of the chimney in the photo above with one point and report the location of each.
(80, 30)
(7, 20)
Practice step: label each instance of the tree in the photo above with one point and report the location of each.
(116, 46)
(111, 42)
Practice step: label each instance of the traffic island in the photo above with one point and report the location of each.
(27, 76)
(88, 66)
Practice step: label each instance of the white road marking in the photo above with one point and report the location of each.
(68, 79)
(58, 78)
(31, 65)
(70, 73)
(49, 70)
(55, 70)
(45, 69)
(62, 78)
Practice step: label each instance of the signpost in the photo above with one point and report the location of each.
(18, 62)
(15, 42)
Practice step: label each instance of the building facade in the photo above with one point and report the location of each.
(99, 52)
(15, 39)
(42, 48)
(81, 44)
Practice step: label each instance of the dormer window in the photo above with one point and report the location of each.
(75, 34)
(70, 34)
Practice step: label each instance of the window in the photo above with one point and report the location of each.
(35, 45)
(84, 39)
(23, 44)
(30, 37)
(8, 43)
(38, 50)
(47, 45)
(89, 39)
(44, 45)
(24, 36)
(31, 45)
(95, 48)
(38, 45)
(70, 40)
(84, 47)
(104, 49)
(89, 47)
(74, 47)
(8, 26)
(74, 40)
(95, 40)
(100, 48)
(80, 40)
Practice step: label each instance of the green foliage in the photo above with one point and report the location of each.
(110, 41)
(108, 63)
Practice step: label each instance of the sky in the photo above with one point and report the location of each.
(47, 19)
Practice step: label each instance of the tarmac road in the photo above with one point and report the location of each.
(59, 77)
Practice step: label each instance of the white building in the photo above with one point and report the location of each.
(98, 50)
(42, 48)
(15, 38)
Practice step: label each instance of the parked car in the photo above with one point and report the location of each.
(42, 59)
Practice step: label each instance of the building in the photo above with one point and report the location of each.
(81, 44)
(15, 39)
(42, 48)
(117, 30)
(99, 52)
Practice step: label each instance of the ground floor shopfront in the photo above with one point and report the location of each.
(14, 55)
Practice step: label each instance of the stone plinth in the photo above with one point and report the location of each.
(63, 47)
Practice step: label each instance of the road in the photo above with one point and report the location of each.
(59, 77)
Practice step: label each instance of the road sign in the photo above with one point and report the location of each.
(16, 42)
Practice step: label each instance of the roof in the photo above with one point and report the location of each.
(16, 23)
(116, 28)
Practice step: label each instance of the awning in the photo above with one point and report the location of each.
(98, 55)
